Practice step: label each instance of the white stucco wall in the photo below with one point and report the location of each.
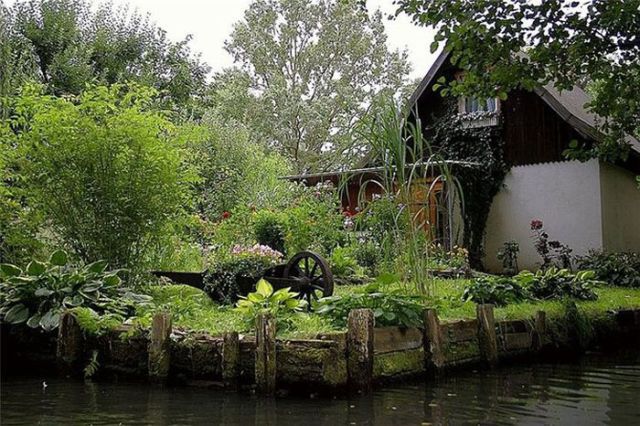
(565, 196)
(620, 209)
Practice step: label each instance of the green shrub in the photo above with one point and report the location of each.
(368, 255)
(270, 229)
(390, 307)
(230, 277)
(554, 283)
(106, 169)
(621, 269)
(342, 262)
(39, 294)
(279, 303)
(499, 291)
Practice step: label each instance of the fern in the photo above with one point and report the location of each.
(92, 367)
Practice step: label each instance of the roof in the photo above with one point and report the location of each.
(366, 170)
(569, 104)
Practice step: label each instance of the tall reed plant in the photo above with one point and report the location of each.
(407, 166)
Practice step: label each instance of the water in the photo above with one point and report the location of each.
(594, 390)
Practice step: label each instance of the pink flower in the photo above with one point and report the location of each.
(536, 225)
(226, 215)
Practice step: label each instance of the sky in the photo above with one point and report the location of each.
(210, 22)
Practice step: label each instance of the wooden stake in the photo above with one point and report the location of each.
(160, 347)
(265, 354)
(230, 359)
(70, 342)
(433, 345)
(360, 348)
(540, 329)
(487, 334)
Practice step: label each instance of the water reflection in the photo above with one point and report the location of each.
(597, 390)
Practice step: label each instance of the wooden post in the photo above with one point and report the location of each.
(230, 359)
(433, 344)
(487, 334)
(266, 354)
(70, 342)
(540, 328)
(360, 348)
(160, 347)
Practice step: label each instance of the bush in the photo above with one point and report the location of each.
(236, 274)
(368, 256)
(390, 307)
(40, 293)
(621, 269)
(280, 303)
(105, 168)
(499, 291)
(270, 229)
(342, 262)
(554, 283)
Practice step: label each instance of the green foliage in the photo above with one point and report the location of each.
(235, 274)
(280, 303)
(314, 221)
(270, 229)
(66, 44)
(499, 291)
(566, 42)
(390, 307)
(554, 283)
(105, 168)
(92, 366)
(620, 269)
(39, 294)
(342, 262)
(482, 146)
(93, 323)
(302, 99)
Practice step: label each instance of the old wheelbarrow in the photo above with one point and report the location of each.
(307, 273)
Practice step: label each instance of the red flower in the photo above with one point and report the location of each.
(226, 215)
(348, 213)
(536, 225)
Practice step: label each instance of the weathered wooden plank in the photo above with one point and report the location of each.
(514, 326)
(70, 342)
(390, 339)
(460, 331)
(265, 366)
(518, 341)
(360, 348)
(400, 363)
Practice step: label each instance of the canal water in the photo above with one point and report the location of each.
(596, 389)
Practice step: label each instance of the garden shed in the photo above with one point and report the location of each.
(585, 205)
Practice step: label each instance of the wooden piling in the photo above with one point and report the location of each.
(70, 342)
(540, 330)
(433, 344)
(160, 347)
(487, 334)
(360, 348)
(230, 359)
(265, 366)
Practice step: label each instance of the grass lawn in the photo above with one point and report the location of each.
(192, 309)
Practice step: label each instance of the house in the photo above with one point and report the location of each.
(585, 205)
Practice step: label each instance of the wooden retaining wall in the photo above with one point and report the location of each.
(356, 358)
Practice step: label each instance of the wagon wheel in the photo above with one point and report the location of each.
(316, 279)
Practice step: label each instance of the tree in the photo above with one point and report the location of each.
(72, 45)
(314, 67)
(105, 168)
(509, 44)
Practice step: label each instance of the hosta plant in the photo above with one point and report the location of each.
(279, 303)
(554, 283)
(38, 294)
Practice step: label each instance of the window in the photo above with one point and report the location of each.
(471, 105)
(479, 112)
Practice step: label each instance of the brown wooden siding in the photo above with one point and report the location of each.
(533, 132)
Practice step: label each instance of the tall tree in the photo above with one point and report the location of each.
(313, 68)
(507, 44)
(72, 45)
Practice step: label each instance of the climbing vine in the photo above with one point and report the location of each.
(456, 140)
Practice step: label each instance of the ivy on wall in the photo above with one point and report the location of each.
(456, 140)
